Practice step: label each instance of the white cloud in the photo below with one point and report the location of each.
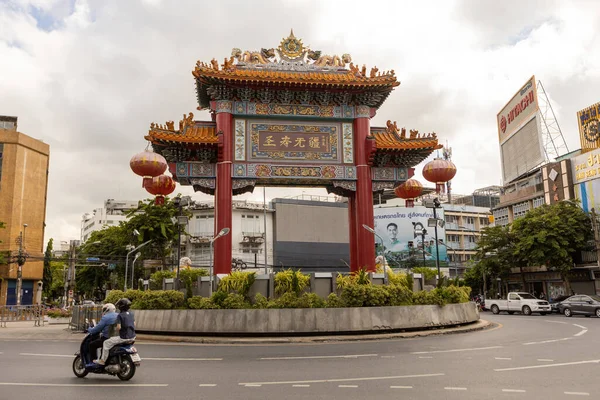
(88, 77)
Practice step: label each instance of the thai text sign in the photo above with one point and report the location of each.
(589, 127)
(315, 142)
(586, 166)
(518, 110)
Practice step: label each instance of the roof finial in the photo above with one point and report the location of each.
(292, 33)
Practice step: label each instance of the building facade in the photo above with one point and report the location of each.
(24, 167)
(112, 214)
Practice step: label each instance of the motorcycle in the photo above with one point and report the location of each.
(123, 359)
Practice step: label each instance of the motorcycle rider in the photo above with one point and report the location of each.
(106, 326)
(125, 324)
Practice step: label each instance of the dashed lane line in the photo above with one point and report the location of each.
(46, 355)
(347, 386)
(547, 365)
(547, 341)
(545, 360)
(401, 387)
(556, 322)
(577, 393)
(425, 357)
(457, 350)
(144, 358)
(502, 358)
(455, 388)
(513, 390)
(318, 357)
(300, 385)
(207, 385)
(370, 378)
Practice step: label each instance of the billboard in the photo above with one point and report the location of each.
(519, 133)
(394, 225)
(585, 167)
(589, 127)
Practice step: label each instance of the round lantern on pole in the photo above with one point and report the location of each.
(439, 171)
(408, 191)
(148, 164)
(160, 186)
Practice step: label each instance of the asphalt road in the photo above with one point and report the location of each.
(525, 357)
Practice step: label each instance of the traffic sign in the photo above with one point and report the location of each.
(90, 259)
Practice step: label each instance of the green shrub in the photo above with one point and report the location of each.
(400, 295)
(360, 277)
(159, 300)
(201, 303)
(311, 300)
(398, 278)
(260, 301)
(354, 295)
(156, 279)
(428, 273)
(433, 297)
(235, 301)
(237, 282)
(453, 294)
(376, 296)
(59, 313)
(333, 301)
(291, 281)
(218, 298)
(114, 296)
(286, 300)
(410, 282)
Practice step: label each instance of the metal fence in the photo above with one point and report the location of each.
(33, 313)
(83, 317)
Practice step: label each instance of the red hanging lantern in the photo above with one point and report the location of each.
(439, 171)
(148, 164)
(409, 190)
(160, 186)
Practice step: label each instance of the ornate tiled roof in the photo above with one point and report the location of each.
(292, 67)
(190, 132)
(393, 147)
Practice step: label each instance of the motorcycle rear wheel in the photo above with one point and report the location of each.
(127, 369)
(79, 368)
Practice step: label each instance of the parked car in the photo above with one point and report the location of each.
(522, 302)
(555, 302)
(581, 304)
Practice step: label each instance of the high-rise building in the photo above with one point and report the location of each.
(112, 214)
(24, 163)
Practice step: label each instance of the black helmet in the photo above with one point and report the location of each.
(123, 304)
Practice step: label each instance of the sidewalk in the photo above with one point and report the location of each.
(26, 331)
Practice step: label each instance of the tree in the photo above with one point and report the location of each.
(551, 235)
(47, 278)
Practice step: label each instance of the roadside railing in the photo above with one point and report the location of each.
(33, 313)
(83, 316)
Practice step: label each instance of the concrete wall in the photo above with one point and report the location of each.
(303, 321)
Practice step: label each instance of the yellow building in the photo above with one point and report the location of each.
(23, 188)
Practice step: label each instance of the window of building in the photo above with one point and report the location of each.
(250, 223)
(204, 225)
(469, 220)
(520, 209)
(501, 216)
(540, 201)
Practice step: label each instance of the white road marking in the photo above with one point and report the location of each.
(317, 357)
(122, 385)
(545, 359)
(548, 365)
(300, 385)
(583, 332)
(381, 356)
(207, 385)
(456, 350)
(371, 378)
(425, 357)
(513, 390)
(401, 387)
(252, 385)
(548, 341)
(579, 326)
(556, 322)
(503, 358)
(348, 386)
(46, 355)
(455, 388)
(578, 393)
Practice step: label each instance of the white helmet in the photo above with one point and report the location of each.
(108, 308)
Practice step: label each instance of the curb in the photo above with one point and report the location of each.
(471, 327)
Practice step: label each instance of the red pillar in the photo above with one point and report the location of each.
(352, 231)
(223, 191)
(364, 193)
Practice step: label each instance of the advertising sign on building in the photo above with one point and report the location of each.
(585, 171)
(519, 133)
(589, 127)
(396, 227)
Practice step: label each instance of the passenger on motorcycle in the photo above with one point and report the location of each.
(106, 328)
(126, 326)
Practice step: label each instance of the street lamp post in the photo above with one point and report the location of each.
(419, 229)
(127, 262)
(182, 220)
(223, 232)
(385, 274)
(435, 204)
(137, 255)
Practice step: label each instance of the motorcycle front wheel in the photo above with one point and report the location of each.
(79, 368)
(127, 369)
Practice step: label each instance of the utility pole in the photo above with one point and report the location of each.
(596, 235)
(71, 275)
(20, 263)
